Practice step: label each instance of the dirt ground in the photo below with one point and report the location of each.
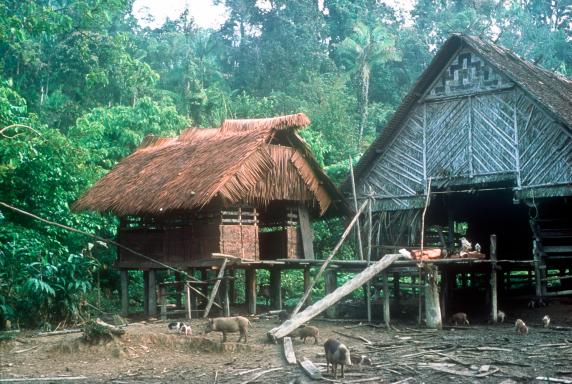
(149, 353)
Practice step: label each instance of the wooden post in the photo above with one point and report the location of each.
(445, 285)
(306, 232)
(386, 316)
(275, 287)
(163, 301)
(188, 301)
(369, 235)
(396, 291)
(420, 302)
(178, 291)
(331, 285)
(232, 286)
(494, 297)
(146, 293)
(307, 284)
(124, 274)
(327, 302)
(250, 289)
(432, 308)
(226, 295)
(358, 230)
(152, 293)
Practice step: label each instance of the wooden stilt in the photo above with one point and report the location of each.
(124, 275)
(307, 284)
(250, 289)
(275, 287)
(178, 292)
(152, 293)
(146, 293)
(226, 295)
(369, 239)
(188, 301)
(396, 292)
(432, 308)
(331, 285)
(445, 283)
(494, 297)
(386, 315)
(163, 302)
(232, 286)
(420, 302)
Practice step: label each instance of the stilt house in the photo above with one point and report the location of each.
(488, 136)
(247, 189)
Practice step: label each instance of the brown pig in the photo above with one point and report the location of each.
(229, 325)
(460, 317)
(305, 331)
(520, 327)
(336, 353)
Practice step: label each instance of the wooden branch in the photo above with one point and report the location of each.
(354, 337)
(215, 289)
(351, 285)
(55, 333)
(327, 261)
(112, 328)
(289, 351)
(554, 380)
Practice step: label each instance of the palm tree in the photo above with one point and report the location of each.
(364, 49)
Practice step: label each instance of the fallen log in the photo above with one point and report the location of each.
(289, 351)
(554, 380)
(255, 377)
(311, 370)
(351, 285)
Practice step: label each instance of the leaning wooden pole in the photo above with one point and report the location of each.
(358, 230)
(215, 288)
(327, 261)
(351, 285)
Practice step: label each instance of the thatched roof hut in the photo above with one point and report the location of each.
(253, 161)
(210, 190)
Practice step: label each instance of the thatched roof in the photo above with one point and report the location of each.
(251, 161)
(550, 90)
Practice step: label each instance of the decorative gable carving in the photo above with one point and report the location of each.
(467, 73)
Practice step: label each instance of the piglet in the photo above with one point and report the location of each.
(520, 327)
(305, 331)
(546, 321)
(460, 317)
(229, 325)
(501, 316)
(360, 360)
(283, 316)
(336, 353)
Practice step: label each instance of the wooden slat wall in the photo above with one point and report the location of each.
(463, 132)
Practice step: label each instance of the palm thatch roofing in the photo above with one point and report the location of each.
(252, 161)
(550, 90)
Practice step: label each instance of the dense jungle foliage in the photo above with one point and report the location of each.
(81, 84)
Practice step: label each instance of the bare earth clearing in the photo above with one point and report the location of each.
(148, 353)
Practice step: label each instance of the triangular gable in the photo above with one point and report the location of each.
(467, 73)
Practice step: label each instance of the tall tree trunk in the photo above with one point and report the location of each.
(364, 102)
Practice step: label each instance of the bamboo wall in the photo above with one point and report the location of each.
(472, 126)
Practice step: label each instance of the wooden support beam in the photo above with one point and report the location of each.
(146, 293)
(276, 287)
(306, 232)
(124, 275)
(152, 293)
(225, 294)
(369, 239)
(163, 301)
(358, 230)
(445, 285)
(188, 301)
(178, 292)
(215, 288)
(420, 302)
(432, 309)
(315, 309)
(307, 284)
(386, 315)
(330, 286)
(250, 289)
(494, 297)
